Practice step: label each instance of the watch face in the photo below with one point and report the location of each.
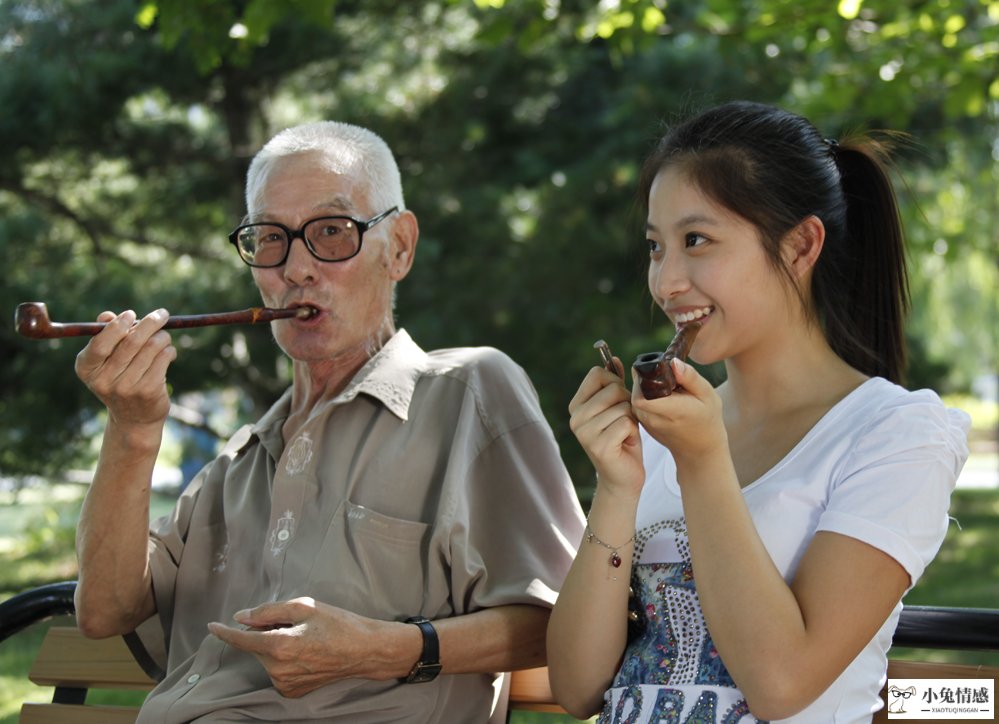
(423, 673)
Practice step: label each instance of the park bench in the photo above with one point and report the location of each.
(74, 664)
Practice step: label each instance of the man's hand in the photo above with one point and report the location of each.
(305, 644)
(125, 366)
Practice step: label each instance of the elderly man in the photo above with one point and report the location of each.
(390, 534)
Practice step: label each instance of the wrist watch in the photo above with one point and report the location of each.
(429, 665)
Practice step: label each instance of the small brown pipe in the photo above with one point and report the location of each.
(31, 319)
(654, 370)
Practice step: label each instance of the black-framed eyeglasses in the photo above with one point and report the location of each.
(328, 238)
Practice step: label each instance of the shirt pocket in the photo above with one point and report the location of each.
(372, 563)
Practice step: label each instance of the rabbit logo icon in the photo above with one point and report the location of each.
(897, 698)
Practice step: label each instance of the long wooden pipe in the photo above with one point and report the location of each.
(31, 319)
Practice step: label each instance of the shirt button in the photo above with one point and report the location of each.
(283, 535)
(193, 678)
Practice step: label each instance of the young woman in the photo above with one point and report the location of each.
(771, 525)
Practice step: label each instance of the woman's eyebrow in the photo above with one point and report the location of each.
(686, 221)
(694, 220)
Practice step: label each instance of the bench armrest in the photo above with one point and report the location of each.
(36, 605)
(938, 627)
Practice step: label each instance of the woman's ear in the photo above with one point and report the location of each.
(803, 244)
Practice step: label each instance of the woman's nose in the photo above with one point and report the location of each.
(669, 279)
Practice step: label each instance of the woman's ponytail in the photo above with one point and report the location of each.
(861, 289)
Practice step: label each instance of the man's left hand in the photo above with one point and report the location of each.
(305, 644)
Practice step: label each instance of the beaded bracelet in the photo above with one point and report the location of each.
(615, 557)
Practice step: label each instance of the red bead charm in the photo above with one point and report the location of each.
(615, 560)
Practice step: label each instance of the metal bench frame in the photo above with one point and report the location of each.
(923, 627)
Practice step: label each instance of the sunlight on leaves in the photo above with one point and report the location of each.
(954, 24)
(146, 16)
(652, 19)
(849, 9)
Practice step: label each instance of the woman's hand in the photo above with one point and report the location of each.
(689, 421)
(602, 420)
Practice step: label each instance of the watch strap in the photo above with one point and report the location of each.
(427, 668)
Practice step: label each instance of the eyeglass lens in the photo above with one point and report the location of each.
(330, 239)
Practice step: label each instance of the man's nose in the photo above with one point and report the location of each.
(300, 264)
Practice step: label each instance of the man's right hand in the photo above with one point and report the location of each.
(125, 367)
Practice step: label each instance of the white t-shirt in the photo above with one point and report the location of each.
(878, 467)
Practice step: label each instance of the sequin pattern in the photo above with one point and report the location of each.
(674, 659)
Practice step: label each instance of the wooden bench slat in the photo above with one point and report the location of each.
(530, 691)
(67, 658)
(63, 713)
(898, 669)
(531, 686)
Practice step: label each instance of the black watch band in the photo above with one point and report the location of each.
(429, 665)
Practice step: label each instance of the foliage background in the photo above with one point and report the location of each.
(518, 127)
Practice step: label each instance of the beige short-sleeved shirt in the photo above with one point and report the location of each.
(431, 485)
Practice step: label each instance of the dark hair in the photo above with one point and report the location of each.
(774, 169)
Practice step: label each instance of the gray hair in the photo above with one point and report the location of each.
(347, 148)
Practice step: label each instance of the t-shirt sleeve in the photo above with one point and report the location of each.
(516, 529)
(893, 491)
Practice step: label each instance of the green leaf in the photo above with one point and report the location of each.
(849, 9)
(146, 16)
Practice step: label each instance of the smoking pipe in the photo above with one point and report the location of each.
(654, 370)
(31, 319)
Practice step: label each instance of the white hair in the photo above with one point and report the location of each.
(348, 149)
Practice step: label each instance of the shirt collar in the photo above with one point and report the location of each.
(390, 376)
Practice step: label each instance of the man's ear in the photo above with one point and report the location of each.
(402, 245)
(803, 244)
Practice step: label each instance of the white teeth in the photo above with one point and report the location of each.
(691, 316)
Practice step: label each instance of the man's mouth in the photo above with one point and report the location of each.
(305, 311)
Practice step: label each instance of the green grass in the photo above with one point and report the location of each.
(16, 655)
(37, 530)
(533, 717)
(36, 544)
(965, 571)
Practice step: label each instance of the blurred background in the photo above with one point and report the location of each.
(519, 126)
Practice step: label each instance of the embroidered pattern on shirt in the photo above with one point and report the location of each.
(283, 532)
(221, 558)
(668, 709)
(299, 454)
(675, 650)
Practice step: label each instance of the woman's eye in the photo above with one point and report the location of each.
(694, 239)
(653, 245)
